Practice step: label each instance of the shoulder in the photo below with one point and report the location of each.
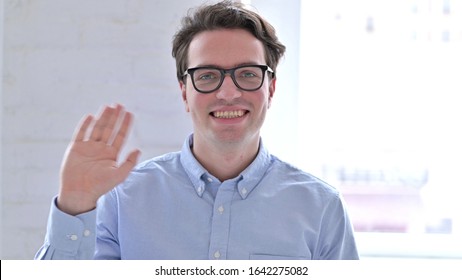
(163, 161)
(152, 174)
(295, 177)
(154, 170)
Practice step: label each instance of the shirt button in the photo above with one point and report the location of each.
(210, 180)
(86, 233)
(217, 255)
(200, 189)
(221, 209)
(244, 191)
(73, 237)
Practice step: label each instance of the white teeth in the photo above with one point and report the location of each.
(228, 114)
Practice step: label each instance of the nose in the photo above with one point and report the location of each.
(228, 90)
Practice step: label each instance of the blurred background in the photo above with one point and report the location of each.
(366, 100)
(380, 118)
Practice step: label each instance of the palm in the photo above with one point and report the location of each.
(90, 167)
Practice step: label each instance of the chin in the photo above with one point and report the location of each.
(234, 137)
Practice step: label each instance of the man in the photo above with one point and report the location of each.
(223, 196)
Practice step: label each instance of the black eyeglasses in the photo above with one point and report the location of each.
(209, 79)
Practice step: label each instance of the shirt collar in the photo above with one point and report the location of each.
(247, 180)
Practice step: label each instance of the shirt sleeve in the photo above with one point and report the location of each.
(337, 235)
(68, 237)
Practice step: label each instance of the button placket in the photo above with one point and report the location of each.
(221, 209)
(217, 255)
(220, 221)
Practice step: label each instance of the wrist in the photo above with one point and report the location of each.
(75, 204)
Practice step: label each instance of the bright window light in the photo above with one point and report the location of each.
(381, 117)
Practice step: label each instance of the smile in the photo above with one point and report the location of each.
(229, 114)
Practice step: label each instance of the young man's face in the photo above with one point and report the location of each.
(228, 114)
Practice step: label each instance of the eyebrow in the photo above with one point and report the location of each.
(234, 66)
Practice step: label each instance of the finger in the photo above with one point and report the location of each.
(101, 122)
(121, 135)
(127, 166)
(108, 128)
(81, 130)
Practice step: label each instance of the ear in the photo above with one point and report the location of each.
(184, 96)
(272, 90)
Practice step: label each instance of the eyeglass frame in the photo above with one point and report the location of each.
(230, 71)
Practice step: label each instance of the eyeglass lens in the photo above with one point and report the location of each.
(246, 78)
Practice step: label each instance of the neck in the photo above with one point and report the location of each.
(225, 160)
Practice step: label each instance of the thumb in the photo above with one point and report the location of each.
(127, 166)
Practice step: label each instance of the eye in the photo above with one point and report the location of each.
(248, 74)
(207, 76)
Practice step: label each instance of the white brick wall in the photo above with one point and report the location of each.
(1, 125)
(63, 59)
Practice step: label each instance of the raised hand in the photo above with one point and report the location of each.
(90, 167)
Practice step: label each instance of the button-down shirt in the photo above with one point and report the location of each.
(170, 207)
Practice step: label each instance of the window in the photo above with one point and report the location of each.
(380, 118)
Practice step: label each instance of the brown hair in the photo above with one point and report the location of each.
(225, 15)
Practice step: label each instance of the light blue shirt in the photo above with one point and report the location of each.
(170, 207)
